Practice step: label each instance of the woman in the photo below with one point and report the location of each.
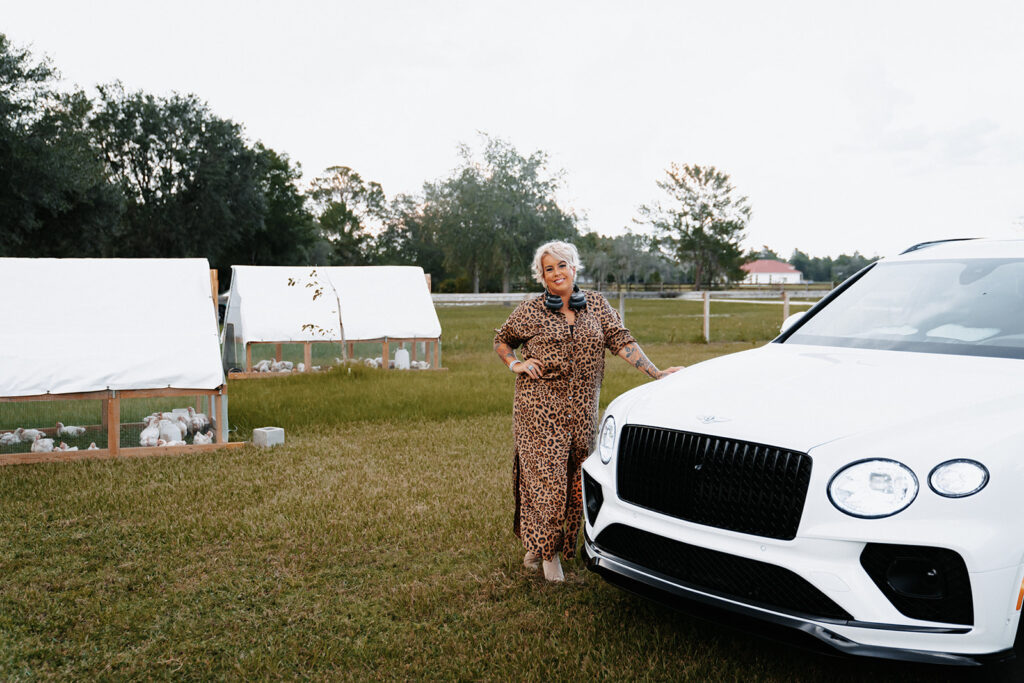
(563, 334)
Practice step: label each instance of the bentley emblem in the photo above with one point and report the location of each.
(708, 419)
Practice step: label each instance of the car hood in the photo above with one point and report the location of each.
(800, 397)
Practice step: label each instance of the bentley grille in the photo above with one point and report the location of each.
(736, 485)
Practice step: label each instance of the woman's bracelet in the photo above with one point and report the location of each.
(513, 364)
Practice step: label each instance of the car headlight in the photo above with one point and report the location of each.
(873, 488)
(606, 442)
(958, 478)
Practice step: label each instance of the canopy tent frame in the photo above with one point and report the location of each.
(110, 403)
(92, 357)
(431, 343)
(432, 355)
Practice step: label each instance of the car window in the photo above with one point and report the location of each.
(968, 307)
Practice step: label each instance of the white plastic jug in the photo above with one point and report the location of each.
(401, 359)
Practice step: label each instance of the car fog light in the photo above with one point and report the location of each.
(958, 478)
(913, 577)
(873, 488)
(606, 442)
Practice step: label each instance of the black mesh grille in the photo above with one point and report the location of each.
(939, 572)
(593, 498)
(728, 484)
(748, 581)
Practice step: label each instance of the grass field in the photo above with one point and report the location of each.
(375, 544)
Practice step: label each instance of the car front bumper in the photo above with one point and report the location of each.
(864, 622)
(839, 635)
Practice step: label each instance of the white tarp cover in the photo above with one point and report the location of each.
(385, 301)
(77, 325)
(263, 307)
(376, 302)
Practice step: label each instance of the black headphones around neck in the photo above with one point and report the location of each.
(577, 300)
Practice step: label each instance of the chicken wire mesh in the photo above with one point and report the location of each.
(282, 358)
(49, 426)
(417, 355)
(43, 426)
(287, 358)
(166, 421)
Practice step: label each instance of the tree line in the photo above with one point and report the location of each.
(817, 268)
(132, 174)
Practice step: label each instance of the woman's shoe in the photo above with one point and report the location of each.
(553, 570)
(531, 560)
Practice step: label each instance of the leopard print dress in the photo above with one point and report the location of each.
(555, 417)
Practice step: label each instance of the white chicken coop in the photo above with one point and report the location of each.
(98, 354)
(282, 319)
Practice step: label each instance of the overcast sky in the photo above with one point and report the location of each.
(849, 125)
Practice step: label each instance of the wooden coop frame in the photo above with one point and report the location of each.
(432, 349)
(433, 353)
(111, 415)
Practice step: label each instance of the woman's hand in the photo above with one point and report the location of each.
(529, 366)
(635, 356)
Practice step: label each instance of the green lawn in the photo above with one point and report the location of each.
(375, 544)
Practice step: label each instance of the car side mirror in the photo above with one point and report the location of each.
(790, 321)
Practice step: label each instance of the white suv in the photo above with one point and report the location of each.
(859, 478)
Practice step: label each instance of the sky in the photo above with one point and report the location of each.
(849, 126)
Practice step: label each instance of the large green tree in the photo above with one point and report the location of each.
(815, 269)
(495, 209)
(288, 232)
(522, 194)
(408, 238)
(827, 269)
(348, 210)
(456, 210)
(765, 252)
(192, 186)
(55, 199)
(703, 222)
(624, 259)
(846, 265)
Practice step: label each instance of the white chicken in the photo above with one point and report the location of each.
(302, 367)
(262, 366)
(157, 416)
(184, 425)
(93, 447)
(69, 430)
(64, 447)
(29, 434)
(203, 438)
(151, 433)
(199, 421)
(169, 431)
(9, 438)
(169, 442)
(41, 445)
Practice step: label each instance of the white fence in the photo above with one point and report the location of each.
(784, 298)
(473, 299)
(753, 295)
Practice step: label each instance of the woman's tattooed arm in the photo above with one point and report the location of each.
(635, 356)
(506, 353)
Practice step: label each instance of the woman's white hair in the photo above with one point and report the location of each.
(562, 251)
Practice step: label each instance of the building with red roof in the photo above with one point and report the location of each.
(770, 272)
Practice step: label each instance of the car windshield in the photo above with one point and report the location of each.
(966, 307)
